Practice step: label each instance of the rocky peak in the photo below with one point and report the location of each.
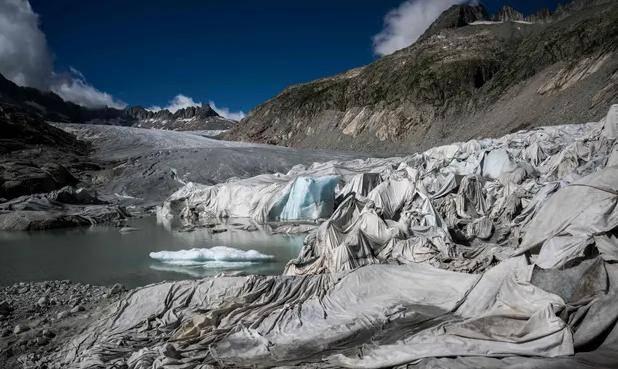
(203, 111)
(508, 14)
(456, 16)
(137, 112)
(542, 15)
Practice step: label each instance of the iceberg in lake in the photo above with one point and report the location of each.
(214, 257)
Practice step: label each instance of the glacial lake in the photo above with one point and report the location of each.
(103, 255)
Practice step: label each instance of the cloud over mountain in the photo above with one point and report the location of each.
(226, 113)
(26, 59)
(406, 23)
(181, 101)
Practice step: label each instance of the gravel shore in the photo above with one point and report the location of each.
(36, 319)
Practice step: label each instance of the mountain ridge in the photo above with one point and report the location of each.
(484, 78)
(51, 107)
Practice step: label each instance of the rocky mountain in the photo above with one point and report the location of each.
(187, 119)
(508, 14)
(51, 107)
(468, 76)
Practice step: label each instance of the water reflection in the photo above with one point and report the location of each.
(105, 255)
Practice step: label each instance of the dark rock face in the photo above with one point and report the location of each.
(39, 164)
(34, 155)
(25, 177)
(457, 83)
(455, 17)
(540, 16)
(508, 14)
(20, 129)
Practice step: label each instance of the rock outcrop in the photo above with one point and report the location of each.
(39, 165)
(466, 78)
(34, 156)
(508, 14)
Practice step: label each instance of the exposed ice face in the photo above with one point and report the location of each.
(214, 257)
(308, 198)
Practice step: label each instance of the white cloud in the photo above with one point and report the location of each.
(181, 101)
(154, 108)
(405, 24)
(75, 89)
(226, 113)
(26, 59)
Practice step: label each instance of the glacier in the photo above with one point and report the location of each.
(498, 252)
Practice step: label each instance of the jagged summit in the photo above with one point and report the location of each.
(508, 14)
(203, 111)
(456, 16)
(202, 117)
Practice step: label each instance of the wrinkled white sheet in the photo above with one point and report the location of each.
(487, 249)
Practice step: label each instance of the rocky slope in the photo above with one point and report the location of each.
(34, 156)
(43, 174)
(470, 75)
(51, 107)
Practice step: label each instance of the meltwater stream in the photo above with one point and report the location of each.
(105, 255)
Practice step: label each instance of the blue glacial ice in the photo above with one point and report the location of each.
(306, 198)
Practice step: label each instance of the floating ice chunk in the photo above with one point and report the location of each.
(214, 257)
(307, 198)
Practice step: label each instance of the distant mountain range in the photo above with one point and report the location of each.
(469, 75)
(51, 107)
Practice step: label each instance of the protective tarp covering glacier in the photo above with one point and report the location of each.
(490, 253)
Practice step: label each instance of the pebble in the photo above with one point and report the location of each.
(20, 329)
(43, 301)
(116, 289)
(5, 308)
(48, 333)
(77, 309)
(42, 341)
(62, 315)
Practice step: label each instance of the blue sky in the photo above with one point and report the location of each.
(237, 53)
